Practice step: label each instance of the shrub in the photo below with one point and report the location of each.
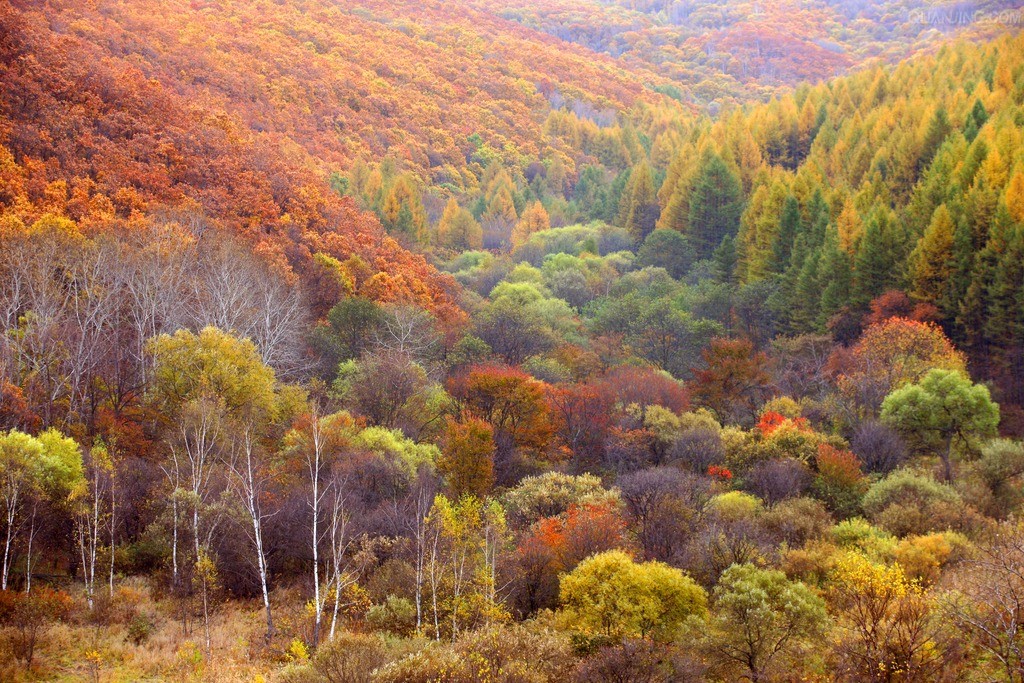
(1000, 468)
(735, 505)
(29, 615)
(908, 503)
(698, 449)
(348, 658)
(552, 494)
(839, 482)
(611, 595)
(639, 661)
(796, 521)
(878, 446)
(668, 249)
(860, 535)
(923, 557)
(497, 654)
(782, 405)
(395, 615)
(776, 480)
(812, 564)
(793, 439)
(140, 628)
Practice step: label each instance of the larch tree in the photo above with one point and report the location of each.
(1015, 196)
(458, 230)
(638, 207)
(534, 219)
(932, 260)
(403, 210)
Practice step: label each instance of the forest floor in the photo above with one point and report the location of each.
(137, 636)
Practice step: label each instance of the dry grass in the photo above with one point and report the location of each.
(100, 648)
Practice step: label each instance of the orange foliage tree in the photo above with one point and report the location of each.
(735, 381)
(515, 406)
(893, 353)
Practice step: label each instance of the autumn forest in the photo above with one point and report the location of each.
(520, 341)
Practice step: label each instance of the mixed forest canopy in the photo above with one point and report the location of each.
(519, 341)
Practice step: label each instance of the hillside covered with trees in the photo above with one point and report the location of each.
(737, 50)
(387, 341)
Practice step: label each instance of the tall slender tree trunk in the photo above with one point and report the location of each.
(203, 583)
(28, 556)
(12, 513)
(314, 464)
(113, 529)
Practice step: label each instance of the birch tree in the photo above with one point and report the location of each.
(32, 471)
(252, 474)
(206, 384)
(94, 515)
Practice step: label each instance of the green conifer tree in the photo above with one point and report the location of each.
(716, 204)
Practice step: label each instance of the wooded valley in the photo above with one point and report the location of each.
(514, 342)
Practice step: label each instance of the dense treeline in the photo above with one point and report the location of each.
(717, 50)
(808, 208)
(662, 398)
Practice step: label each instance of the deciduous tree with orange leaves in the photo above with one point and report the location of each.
(891, 354)
(467, 459)
(736, 380)
(513, 404)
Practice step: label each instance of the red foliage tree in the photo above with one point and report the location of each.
(555, 545)
(581, 414)
(15, 412)
(736, 380)
(770, 421)
(896, 304)
(646, 387)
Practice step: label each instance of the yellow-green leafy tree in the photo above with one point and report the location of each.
(610, 595)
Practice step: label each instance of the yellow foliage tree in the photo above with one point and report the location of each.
(932, 259)
(403, 209)
(458, 229)
(1015, 196)
(534, 219)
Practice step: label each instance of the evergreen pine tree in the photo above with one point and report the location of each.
(938, 129)
(834, 277)
(716, 204)
(818, 218)
(874, 263)
(964, 256)
(1004, 322)
(806, 301)
(975, 120)
(789, 224)
(725, 258)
